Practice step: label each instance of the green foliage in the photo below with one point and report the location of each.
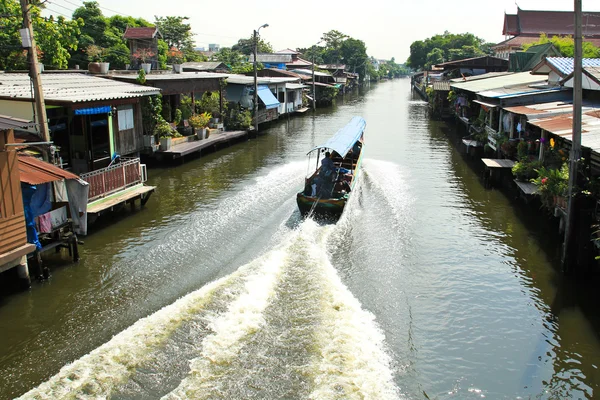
(200, 121)
(186, 107)
(333, 46)
(209, 103)
(435, 56)
(117, 56)
(54, 37)
(163, 49)
(141, 78)
(163, 129)
(327, 95)
(452, 45)
(177, 119)
(566, 46)
(237, 118)
(95, 53)
(552, 182)
(151, 113)
(176, 33)
(246, 46)
(526, 169)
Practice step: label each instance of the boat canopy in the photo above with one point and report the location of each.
(345, 138)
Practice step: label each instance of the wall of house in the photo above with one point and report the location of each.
(17, 109)
(12, 220)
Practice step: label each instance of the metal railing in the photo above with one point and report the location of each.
(114, 178)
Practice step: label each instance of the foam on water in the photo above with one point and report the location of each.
(289, 322)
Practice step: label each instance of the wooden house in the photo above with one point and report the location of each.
(13, 234)
(92, 120)
(143, 39)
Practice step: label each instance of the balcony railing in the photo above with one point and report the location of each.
(103, 182)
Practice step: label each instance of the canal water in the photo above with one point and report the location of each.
(429, 286)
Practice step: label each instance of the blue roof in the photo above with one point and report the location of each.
(93, 110)
(345, 138)
(565, 64)
(267, 97)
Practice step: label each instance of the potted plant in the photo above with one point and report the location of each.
(144, 55)
(165, 133)
(175, 58)
(96, 55)
(552, 184)
(200, 121)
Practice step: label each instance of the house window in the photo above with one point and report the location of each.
(281, 97)
(125, 117)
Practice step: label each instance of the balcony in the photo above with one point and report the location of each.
(114, 178)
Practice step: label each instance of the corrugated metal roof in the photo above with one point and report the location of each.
(293, 86)
(35, 172)
(172, 76)
(441, 86)
(249, 80)
(271, 58)
(7, 122)
(310, 72)
(562, 125)
(478, 77)
(71, 88)
(204, 66)
(516, 91)
(565, 64)
(503, 81)
(545, 110)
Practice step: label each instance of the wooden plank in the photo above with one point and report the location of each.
(192, 147)
(527, 187)
(111, 201)
(498, 163)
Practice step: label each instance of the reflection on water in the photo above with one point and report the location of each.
(429, 283)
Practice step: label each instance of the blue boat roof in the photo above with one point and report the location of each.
(344, 139)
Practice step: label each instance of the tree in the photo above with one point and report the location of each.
(435, 56)
(354, 55)
(566, 46)
(452, 46)
(54, 37)
(92, 32)
(176, 33)
(333, 46)
(118, 56)
(246, 46)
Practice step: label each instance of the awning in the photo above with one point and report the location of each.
(37, 172)
(267, 97)
(93, 110)
(345, 138)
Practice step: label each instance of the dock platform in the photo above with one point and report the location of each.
(141, 192)
(183, 149)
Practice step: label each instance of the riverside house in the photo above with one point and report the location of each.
(92, 120)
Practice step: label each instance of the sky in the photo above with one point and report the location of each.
(388, 27)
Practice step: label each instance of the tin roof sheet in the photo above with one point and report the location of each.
(7, 122)
(478, 77)
(516, 91)
(204, 66)
(36, 172)
(249, 80)
(442, 86)
(271, 58)
(503, 81)
(565, 64)
(545, 110)
(173, 76)
(71, 88)
(310, 72)
(562, 125)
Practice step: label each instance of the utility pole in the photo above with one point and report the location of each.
(255, 83)
(40, 105)
(255, 76)
(575, 143)
(314, 107)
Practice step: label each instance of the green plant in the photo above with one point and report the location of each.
(552, 182)
(210, 103)
(96, 53)
(452, 97)
(186, 107)
(164, 130)
(526, 169)
(178, 115)
(200, 121)
(237, 118)
(174, 56)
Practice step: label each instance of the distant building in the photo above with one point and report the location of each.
(214, 47)
(525, 27)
